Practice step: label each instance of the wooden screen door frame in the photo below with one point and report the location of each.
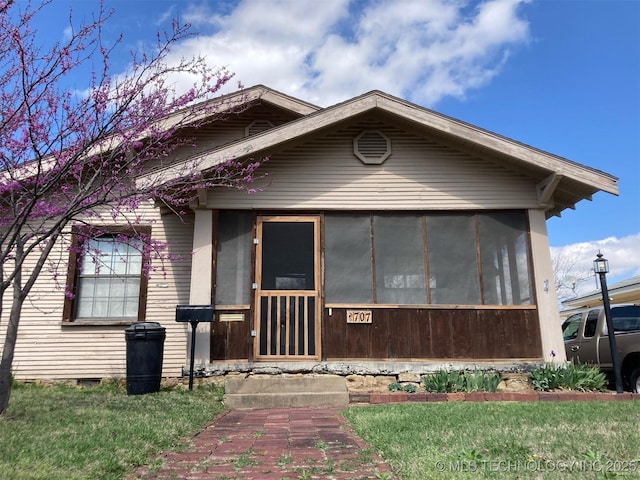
(287, 299)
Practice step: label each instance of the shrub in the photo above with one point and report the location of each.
(571, 376)
(399, 387)
(395, 387)
(445, 381)
(409, 388)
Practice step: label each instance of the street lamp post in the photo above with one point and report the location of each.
(601, 267)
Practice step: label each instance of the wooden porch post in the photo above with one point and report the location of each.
(543, 285)
(201, 278)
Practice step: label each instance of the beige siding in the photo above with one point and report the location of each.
(228, 129)
(47, 349)
(420, 174)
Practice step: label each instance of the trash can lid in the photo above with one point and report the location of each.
(141, 330)
(144, 326)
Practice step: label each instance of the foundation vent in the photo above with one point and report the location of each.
(372, 147)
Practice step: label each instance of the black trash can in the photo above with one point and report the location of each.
(145, 346)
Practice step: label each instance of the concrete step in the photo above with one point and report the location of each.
(286, 391)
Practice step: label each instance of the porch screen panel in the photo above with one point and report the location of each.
(399, 259)
(348, 270)
(505, 259)
(233, 271)
(453, 264)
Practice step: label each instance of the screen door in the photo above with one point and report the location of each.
(288, 288)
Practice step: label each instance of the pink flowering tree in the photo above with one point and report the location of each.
(68, 156)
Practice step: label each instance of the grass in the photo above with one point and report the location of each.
(99, 432)
(503, 439)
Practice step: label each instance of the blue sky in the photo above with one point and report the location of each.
(560, 75)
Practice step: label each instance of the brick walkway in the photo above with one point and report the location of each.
(273, 444)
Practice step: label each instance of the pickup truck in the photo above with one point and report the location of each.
(586, 340)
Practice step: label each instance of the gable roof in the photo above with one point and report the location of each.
(561, 183)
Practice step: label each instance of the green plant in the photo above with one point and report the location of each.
(480, 381)
(470, 455)
(409, 388)
(461, 381)
(245, 460)
(395, 387)
(437, 382)
(399, 387)
(571, 376)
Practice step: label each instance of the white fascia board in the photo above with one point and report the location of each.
(503, 145)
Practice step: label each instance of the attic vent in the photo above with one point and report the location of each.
(257, 126)
(372, 147)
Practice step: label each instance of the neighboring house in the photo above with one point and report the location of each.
(386, 236)
(626, 291)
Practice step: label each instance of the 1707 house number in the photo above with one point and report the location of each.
(358, 316)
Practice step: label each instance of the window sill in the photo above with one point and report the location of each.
(99, 323)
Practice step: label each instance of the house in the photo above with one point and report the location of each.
(625, 291)
(385, 238)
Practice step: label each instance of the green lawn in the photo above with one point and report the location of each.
(505, 440)
(101, 433)
(98, 432)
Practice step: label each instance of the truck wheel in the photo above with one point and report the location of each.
(635, 381)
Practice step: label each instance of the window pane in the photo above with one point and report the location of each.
(90, 258)
(117, 287)
(120, 262)
(453, 266)
(100, 308)
(348, 274)
(288, 256)
(234, 259)
(591, 323)
(130, 308)
(102, 287)
(570, 327)
(505, 258)
(399, 256)
(132, 286)
(135, 263)
(84, 302)
(116, 308)
(105, 257)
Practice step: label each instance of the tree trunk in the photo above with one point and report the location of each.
(9, 346)
(10, 338)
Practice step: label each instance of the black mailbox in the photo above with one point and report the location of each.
(194, 313)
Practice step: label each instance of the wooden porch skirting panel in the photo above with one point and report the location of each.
(231, 340)
(422, 333)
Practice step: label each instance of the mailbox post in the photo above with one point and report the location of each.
(193, 314)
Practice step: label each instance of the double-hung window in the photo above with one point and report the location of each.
(106, 281)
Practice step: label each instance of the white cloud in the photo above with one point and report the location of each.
(623, 255)
(325, 52)
(166, 15)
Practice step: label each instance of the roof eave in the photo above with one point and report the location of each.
(591, 180)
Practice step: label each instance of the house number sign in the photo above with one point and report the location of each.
(358, 316)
